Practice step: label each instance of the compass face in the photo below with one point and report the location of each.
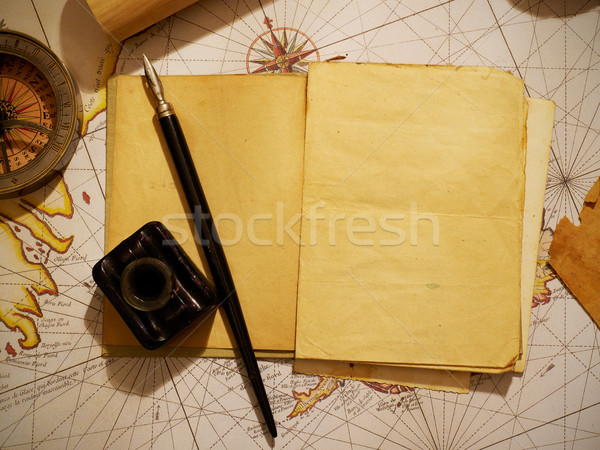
(39, 115)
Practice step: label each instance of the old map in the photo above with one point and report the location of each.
(56, 391)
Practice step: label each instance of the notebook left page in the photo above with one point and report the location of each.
(246, 135)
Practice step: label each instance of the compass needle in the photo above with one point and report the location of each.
(38, 98)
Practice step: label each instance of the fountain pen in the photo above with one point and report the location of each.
(209, 239)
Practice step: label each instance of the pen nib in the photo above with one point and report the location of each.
(153, 80)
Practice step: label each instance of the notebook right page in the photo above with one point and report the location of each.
(412, 215)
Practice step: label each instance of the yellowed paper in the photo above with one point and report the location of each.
(246, 136)
(412, 229)
(439, 380)
(540, 120)
(539, 135)
(215, 351)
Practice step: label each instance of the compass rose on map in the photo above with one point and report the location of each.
(281, 50)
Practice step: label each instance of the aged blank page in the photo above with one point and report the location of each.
(246, 135)
(412, 216)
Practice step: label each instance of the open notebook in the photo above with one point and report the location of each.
(391, 153)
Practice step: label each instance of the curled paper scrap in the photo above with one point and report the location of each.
(574, 253)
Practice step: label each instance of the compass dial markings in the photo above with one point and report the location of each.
(28, 113)
(39, 116)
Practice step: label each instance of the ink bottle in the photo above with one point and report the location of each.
(154, 286)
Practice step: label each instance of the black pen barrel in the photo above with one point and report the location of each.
(215, 256)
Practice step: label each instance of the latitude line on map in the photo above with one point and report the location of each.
(205, 29)
(166, 363)
(156, 400)
(366, 46)
(167, 405)
(530, 418)
(202, 401)
(87, 360)
(167, 424)
(227, 41)
(78, 406)
(584, 387)
(533, 42)
(95, 331)
(100, 410)
(258, 22)
(581, 103)
(275, 18)
(516, 417)
(452, 423)
(171, 44)
(75, 250)
(384, 25)
(566, 155)
(457, 403)
(325, 412)
(507, 46)
(582, 7)
(487, 33)
(24, 358)
(142, 384)
(529, 339)
(240, 17)
(574, 161)
(553, 197)
(542, 425)
(364, 411)
(435, 444)
(305, 436)
(87, 151)
(436, 52)
(40, 23)
(360, 19)
(576, 192)
(492, 416)
(471, 396)
(345, 409)
(199, 322)
(26, 413)
(307, 9)
(328, 21)
(401, 419)
(318, 16)
(586, 380)
(235, 15)
(449, 35)
(201, 408)
(439, 442)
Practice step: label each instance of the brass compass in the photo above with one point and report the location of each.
(40, 114)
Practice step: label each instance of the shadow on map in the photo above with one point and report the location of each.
(555, 8)
(494, 384)
(208, 16)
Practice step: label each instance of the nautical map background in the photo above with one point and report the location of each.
(56, 391)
